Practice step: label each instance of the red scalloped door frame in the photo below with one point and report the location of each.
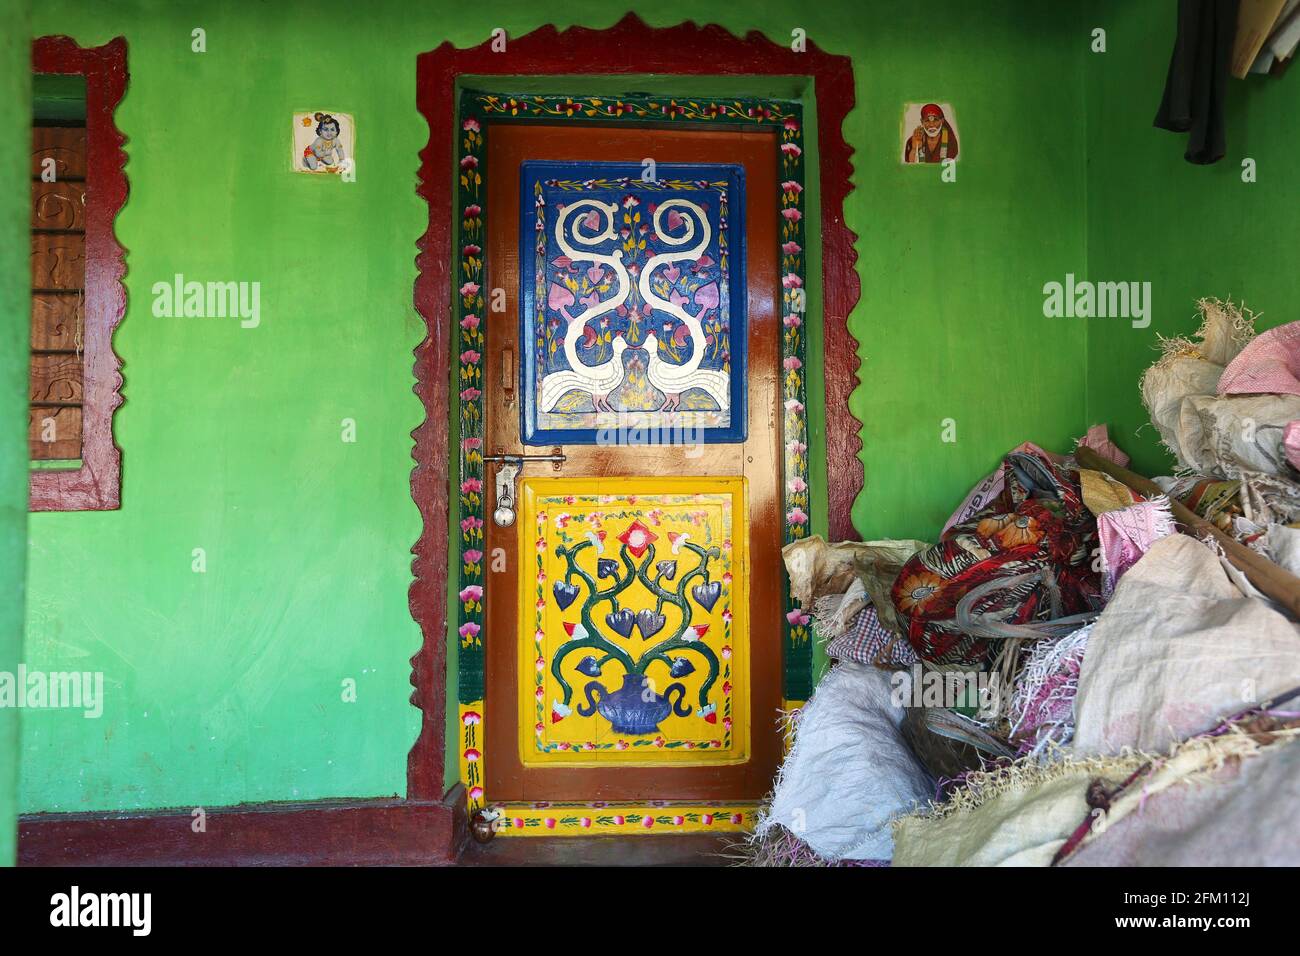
(685, 50)
(97, 484)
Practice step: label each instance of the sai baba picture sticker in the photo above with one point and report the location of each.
(929, 133)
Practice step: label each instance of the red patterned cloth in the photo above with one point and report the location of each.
(1037, 522)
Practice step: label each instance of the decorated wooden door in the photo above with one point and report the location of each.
(634, 606)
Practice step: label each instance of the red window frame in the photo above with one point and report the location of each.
(97, 484)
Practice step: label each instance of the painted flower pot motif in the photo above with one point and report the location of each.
(634, 709)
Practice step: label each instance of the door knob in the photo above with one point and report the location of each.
(507, 471)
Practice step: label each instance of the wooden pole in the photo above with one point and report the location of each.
(1276, 582)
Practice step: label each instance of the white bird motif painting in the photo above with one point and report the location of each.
(669, 378)
(672, 379)
(596, 380)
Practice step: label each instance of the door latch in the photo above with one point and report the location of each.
(507, 471)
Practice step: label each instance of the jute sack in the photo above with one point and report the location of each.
(1178, 648)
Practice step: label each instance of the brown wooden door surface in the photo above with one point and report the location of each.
(681, 775)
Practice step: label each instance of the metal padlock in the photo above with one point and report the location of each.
(503, 515)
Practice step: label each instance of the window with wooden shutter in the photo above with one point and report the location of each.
(58, 288)
(77, 188)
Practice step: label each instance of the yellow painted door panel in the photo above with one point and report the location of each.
(636, 596)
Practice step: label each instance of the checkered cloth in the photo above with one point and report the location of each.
(1125, 534)
(867, 641)
(1270, 364)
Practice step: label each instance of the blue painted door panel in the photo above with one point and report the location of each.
(629, 328)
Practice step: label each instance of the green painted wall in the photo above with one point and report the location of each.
(951, 323)
(226, 686)
(1191, 231)
(15, 311)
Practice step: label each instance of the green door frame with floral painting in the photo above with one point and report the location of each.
(478, 111)
(593, 89)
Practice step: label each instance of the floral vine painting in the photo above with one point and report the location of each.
(638, 624)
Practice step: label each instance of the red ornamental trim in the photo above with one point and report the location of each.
(97, 484)
(546, 51)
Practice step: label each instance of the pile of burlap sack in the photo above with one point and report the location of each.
(1155, 734)
(1227, 405)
